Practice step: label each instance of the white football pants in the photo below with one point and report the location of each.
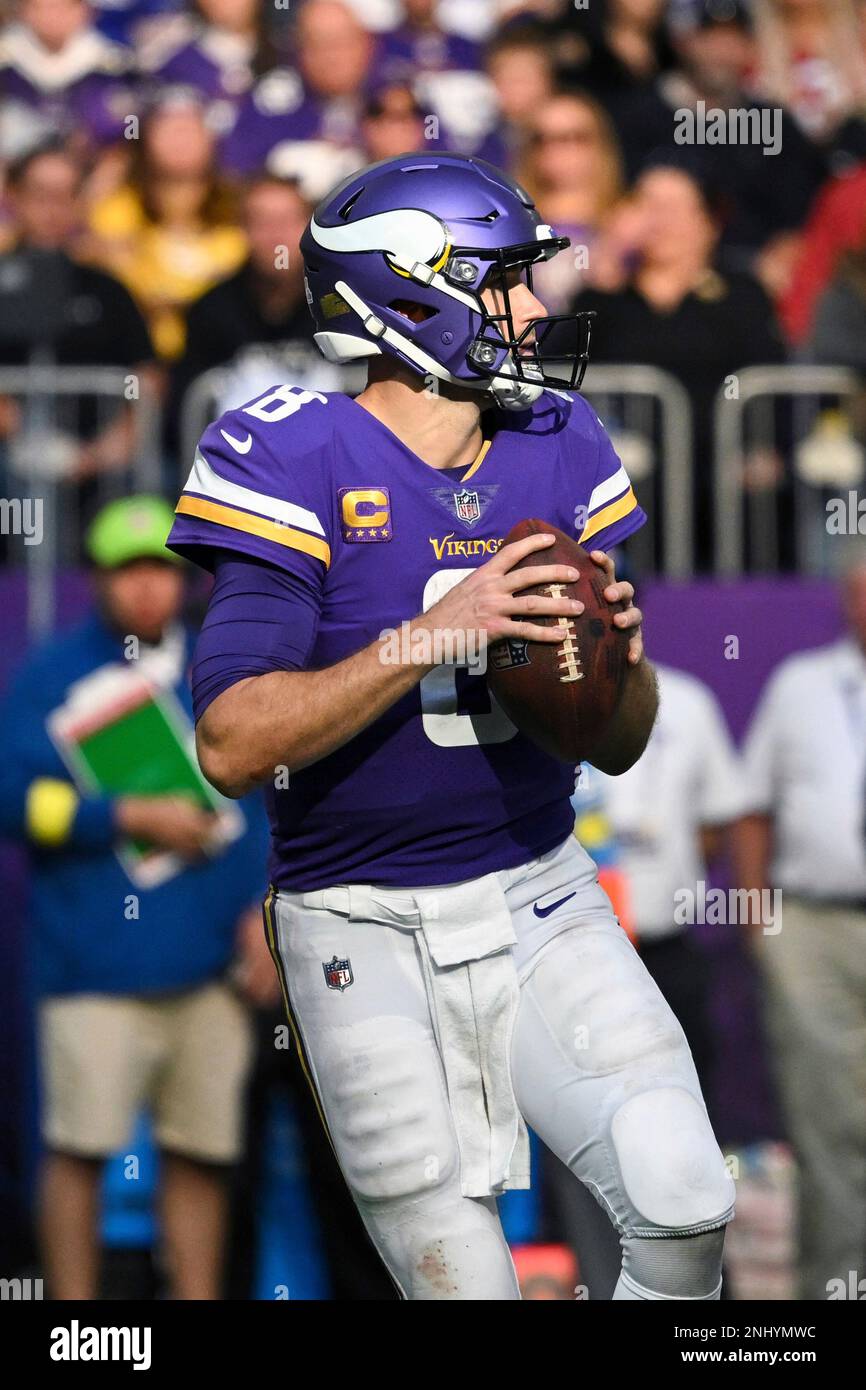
(600, 1069)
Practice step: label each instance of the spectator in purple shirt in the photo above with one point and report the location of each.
(421, 44)
(322, 100)
(220, 50)
(59, 75)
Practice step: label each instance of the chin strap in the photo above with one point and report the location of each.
(514, 394)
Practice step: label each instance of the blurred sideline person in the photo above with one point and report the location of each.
(805, 835)
(669, 815)
(131, 1012)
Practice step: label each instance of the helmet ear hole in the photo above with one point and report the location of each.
(412, 310)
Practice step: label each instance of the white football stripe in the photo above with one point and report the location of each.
(204, 480)
(610, 488)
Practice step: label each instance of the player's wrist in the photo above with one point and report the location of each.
(410, 648)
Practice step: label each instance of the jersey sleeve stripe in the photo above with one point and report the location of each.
(254, 526)
(608, 490)
(204, 479)
(608, 516)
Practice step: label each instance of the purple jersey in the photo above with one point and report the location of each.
(87, 85)
(215, 64)
(407, 51)
(279, 108)
(442, 787)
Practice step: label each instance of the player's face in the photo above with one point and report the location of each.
(522, 302)
(142, 598)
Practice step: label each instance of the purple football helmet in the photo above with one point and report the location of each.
(433, 230)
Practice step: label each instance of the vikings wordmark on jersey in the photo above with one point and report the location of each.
(317, 486)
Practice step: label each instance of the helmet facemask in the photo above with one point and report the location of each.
(549, 351)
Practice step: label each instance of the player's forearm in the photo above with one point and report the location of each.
(290, 719)
(629, 730)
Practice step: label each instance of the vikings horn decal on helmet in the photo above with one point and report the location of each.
(430, 231)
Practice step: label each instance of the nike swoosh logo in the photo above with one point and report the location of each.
(551, 907)
(242, 446)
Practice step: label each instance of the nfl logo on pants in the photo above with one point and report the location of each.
(338, 973)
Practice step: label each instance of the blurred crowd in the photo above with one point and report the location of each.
(158, 160)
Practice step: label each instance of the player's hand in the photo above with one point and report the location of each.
(174, 823)
(486, 605)
(618, 590)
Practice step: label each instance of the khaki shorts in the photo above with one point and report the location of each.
(185, 1057)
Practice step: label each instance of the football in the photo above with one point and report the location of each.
(563, 696)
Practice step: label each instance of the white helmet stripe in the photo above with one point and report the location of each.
(407, 234)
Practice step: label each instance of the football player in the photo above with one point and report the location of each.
(451, 967)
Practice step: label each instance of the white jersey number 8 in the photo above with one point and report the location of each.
(443, 724)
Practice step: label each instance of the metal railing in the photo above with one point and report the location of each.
(61, 409)
(776, 413)
(648, 412)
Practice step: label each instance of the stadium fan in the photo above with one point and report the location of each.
(519, 63)
(220, 50)
(392, 123)
(170, 232)
(573, 171)
(811, 61)
(838, 335)
(57, 309)
(677, 312)
(420, 43)
(836, 224)
(129, 970)
(261, 306)
(803, 835)
(624, 48)
(766, 195)
(445, 71)
(59, 75)
(321, 100)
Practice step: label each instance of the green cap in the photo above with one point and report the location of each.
(131, 528)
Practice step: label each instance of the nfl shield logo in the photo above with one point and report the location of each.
(467, 506)
(338, 973)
